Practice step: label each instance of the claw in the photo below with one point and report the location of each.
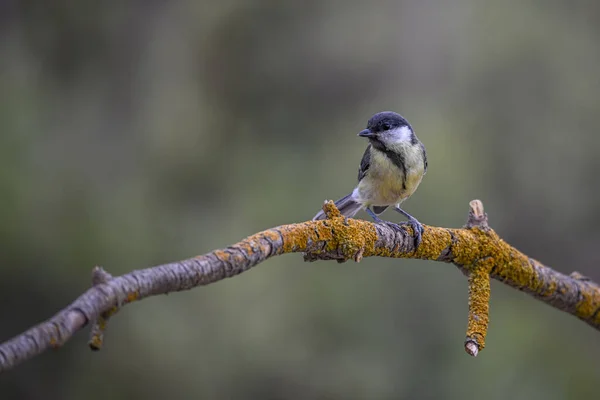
(393, 225)
(418, 230)
(416, 225)
(412, 222)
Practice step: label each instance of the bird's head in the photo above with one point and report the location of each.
(387, 130)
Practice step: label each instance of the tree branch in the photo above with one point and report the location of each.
(475, 249)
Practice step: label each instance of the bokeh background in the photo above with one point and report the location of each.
(142, 132)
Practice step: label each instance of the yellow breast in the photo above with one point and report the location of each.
(385, 183)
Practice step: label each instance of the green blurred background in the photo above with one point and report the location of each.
(142, 132)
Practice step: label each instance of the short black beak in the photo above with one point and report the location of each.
(366, 133)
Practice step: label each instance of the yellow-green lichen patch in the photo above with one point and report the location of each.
(350, 237)
(296, 236)
(473, 244)
(550, 287)
(96, 342)
(331, 210)
(231, 255)
(513, 266)
(221, 255)
(271, 236)
(434, 242)
(589, 304)
(476, 337)
(238, 257)
(355, 238)
(250, 246)
(132, 296)
(479, 302)
(259, 242)
(595, 319)
(111, 311)
(385, 252)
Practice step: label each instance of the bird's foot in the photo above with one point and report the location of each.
(417, 229)
(412, 222)
(416, 226)
(396, 227)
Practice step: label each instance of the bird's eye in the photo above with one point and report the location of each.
(386, 126)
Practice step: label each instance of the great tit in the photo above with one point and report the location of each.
(390, 171)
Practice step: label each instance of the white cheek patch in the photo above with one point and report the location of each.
(402, 134)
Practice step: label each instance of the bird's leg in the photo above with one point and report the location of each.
(414, 223)
(378, 220)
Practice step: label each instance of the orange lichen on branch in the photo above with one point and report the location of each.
(97, 333)
(436, 243)
(221, 255)
(588, 308)
(97, 339)
(337, 236)
(479, 299)
(350, 238)
(475, 249)
(296, 237)
(132, 296)
(331, 211)
(578, 297)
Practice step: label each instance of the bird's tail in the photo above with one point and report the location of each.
(347, 206)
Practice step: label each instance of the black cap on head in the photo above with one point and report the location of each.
(386, 120)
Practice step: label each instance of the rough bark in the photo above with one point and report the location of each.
(475, 249)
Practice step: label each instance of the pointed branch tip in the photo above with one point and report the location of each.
(331, 211)
(477, 216)
(471, 348)
(99, 276)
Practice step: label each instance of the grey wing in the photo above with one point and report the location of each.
(424, 158)
(364, 163)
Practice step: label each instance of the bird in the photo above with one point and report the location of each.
(390, 171)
